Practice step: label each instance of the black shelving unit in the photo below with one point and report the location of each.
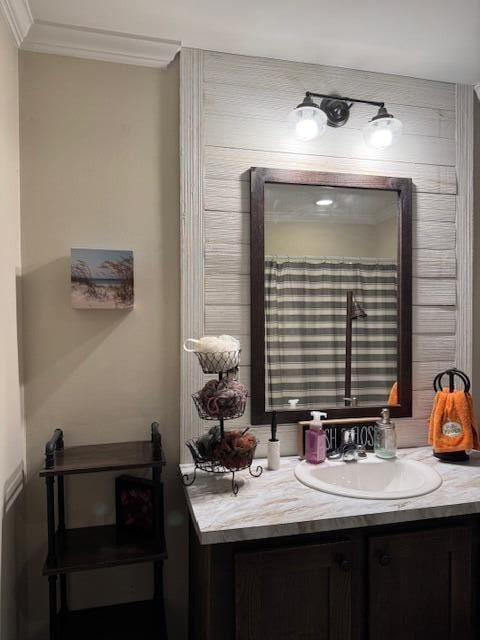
(86, 548)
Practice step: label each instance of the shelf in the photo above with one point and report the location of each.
(118, 622)
(104, 457)
(104, 546)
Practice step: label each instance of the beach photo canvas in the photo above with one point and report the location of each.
(101, 279)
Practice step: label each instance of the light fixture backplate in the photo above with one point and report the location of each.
(337, 111)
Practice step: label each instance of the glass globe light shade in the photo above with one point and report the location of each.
(307, 122)
(382, 131)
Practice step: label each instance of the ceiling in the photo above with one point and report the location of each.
(436, 39)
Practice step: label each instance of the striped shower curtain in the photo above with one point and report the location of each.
(305, 309)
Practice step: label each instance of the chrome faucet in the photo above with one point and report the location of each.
(349, 451)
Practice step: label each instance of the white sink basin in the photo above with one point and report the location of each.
(370, 478)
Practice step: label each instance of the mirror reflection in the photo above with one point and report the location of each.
(331, 271)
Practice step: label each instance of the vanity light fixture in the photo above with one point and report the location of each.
(324, 202)
(309, 120)
(383, 130)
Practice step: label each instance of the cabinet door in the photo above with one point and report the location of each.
(293, 593)
(420, 585)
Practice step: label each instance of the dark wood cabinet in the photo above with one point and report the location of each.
(296, 592)
(420, 585)
(416, 580)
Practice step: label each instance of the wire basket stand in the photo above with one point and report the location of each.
(210, 465)
(221, 363)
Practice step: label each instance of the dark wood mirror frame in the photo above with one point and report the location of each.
(259, 177)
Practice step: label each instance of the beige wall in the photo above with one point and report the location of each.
(11, 429)
(386, 239)
(332, 240)
(99, 152)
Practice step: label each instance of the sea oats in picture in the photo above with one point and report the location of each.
(101, 279)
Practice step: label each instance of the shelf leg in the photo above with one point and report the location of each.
(159, 598)
(52, 580)
(63, 594)
(61, 503)
(61, 528)
(52, 592)
(157, 474)
(50, 481)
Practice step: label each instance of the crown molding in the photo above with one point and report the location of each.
(19, 18)
(84, 42)
(98, 44)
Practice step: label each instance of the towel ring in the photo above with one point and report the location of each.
(437, 382)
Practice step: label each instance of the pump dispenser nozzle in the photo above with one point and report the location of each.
(318, 415)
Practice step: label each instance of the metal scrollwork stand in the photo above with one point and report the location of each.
(219, 363)
(213, 466)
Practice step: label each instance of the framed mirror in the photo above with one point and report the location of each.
(331, 294)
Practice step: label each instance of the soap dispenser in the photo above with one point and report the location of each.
(385, 437)
(316, 439)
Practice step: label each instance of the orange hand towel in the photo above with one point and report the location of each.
(393, 397)
(452, 424)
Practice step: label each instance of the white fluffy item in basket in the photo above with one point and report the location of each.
(212, 344)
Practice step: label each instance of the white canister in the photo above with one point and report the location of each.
(273, 454)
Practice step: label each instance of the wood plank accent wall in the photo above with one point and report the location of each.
(191, 232)
(240, 106)
(465, 206)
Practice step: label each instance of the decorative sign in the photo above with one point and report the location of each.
(364, 434)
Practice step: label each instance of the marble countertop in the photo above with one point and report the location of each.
(277, 504)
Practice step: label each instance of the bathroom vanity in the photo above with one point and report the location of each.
(332, 287)
(282, 560)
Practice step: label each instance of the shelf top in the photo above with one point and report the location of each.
(100, 547)
(104, 457)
